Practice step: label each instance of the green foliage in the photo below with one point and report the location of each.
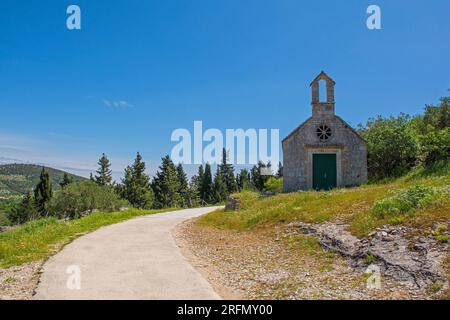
(206, 187)
(369, 259)
(396, 144)
(219, 187)
(103, 176)
(274, 185)
(226, 170)
(166, 185)
(43, 193)
(24, 212)
(135, 186)
(84, 197)
(66, 180)
(184, 189)
(438, 116)
(244, 181)
(4, 221)
(391, 145)
(439, 233)
(405, 201)
(257, 178)
(353, 206)
(6, 207)
(18, 179)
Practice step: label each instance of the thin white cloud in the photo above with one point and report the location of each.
(117, 103)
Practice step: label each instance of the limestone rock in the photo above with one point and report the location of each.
(416, 260)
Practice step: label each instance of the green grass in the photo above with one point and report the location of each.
(41, 238)
(354, 206)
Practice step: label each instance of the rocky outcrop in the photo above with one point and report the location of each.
(415, 260)
(232, 204)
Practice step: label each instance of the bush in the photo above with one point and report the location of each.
(4, 221)
(392, 146)
(405, 201)
(86, 196)
(274, 185)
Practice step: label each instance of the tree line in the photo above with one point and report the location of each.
(169, 188)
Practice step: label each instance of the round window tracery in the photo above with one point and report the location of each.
(323, 132)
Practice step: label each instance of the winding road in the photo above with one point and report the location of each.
(135, 259)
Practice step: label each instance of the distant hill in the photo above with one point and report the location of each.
(18, 179)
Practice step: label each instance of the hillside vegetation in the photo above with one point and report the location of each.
(419, 198)
(18, 179)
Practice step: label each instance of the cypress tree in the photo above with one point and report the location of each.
(66, 180)
(43, 193)
(206, 189)
(104, 177)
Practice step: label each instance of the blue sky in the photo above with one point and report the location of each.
(140, 69)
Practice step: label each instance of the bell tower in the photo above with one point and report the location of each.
(322, 106)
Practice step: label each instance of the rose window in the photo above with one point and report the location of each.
(323, 133)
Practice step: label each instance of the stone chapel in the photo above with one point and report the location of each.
(324, 152)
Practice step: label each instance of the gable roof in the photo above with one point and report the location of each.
(339, 118)
(351, 128)
(296, 129)
(322, 76)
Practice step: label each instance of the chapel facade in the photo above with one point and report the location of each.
(324, 152)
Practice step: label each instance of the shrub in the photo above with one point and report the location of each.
(391, 144)
(274, 185)
(434, 146)
(85, 196)
(439, 233)
(405, 201)
(4, 221)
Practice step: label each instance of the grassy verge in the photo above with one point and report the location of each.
(354, 206)
(41, 238)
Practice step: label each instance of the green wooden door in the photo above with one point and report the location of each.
(324, 171)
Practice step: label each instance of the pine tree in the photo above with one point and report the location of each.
(43, 193)
(136, 185)
(194, 192)
(198, 180)
(66, 180)
(206, 189)
(243, 180)
(166, 185)
(227, 172)
(220, 187)
(184, 187)
(104, 177)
